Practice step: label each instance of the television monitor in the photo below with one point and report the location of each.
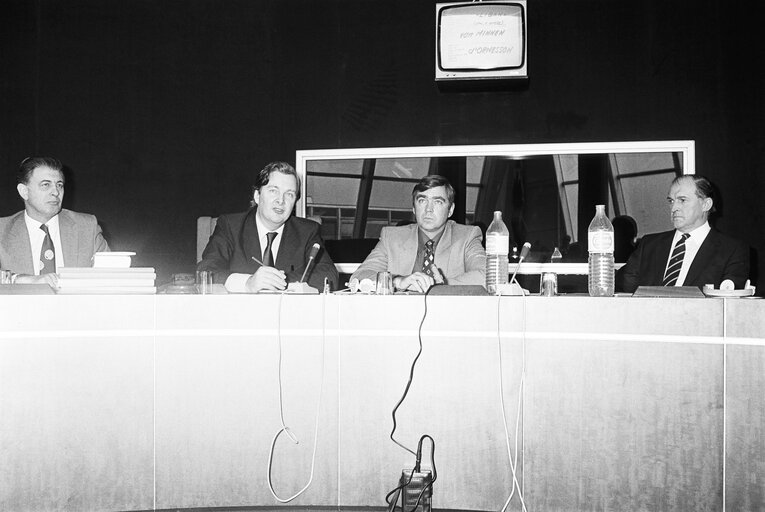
(481, 40)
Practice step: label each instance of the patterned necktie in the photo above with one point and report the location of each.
(427, 259)
(47, 253)
(675, 262)
(268, 256)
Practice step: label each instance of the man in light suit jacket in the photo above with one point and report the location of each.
(434, 250)
(73, 237)
(706, 256)
(266, 247)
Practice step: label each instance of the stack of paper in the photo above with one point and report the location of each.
(113, 259)
(79, 280)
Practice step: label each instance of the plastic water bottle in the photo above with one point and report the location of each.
(497, 247)
(600, 244)
(556, 256)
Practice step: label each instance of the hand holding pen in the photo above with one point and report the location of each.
(266, 278)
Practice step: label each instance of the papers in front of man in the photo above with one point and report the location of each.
(114, 259)
(110, 280)
(668, 291)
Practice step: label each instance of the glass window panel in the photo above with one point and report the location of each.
(474, 169)
(640, 162)
(377, 215)
(374, 228)
(400, 216)
(321, 211)
(646, 201)
(334, 166)
(407, 168)
(322, 190)
(569, 165)
(346, 228)
(471, 198)
(329, 228)
(572, 196)
(391, 195)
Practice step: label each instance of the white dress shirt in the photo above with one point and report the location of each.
(37, 236)
(238, 282)
(692, 245)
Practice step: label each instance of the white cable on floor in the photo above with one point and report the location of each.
(285, 428)
(513, 459)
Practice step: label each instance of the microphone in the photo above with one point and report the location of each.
(524, 253)
(311, 257)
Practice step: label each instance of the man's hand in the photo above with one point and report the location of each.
(49, 279)
(266, 278)
(417, 282)
(438, 275)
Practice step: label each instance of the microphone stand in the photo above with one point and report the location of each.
(301, 286)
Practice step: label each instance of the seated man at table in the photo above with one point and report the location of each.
(43, 237)
(266, 247)
(433, 250)
(694, 253)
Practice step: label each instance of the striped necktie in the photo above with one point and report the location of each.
(675, 262)
(47, 253)
(427, 259)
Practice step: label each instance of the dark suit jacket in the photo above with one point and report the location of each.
(720, 257)
(235, 241)
(81, 238)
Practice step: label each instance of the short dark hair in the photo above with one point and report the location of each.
(28, 166)
(264, 175)
(704, 187)
(433, 181)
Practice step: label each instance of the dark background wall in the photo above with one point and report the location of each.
(163, 109)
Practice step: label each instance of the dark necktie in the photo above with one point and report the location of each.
(268, 256)
(427, 259)
(47, 253)
(675, 262)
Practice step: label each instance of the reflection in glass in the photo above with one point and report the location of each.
(540, 195)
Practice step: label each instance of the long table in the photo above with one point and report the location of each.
(165, 402)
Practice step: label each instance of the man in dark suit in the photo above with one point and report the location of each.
(266, 247)
(43, 237)
(694, 254)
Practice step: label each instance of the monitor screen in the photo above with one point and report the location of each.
(481, 40)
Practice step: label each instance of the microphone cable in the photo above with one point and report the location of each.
(285, 429)
(411, 374)
(512, 457)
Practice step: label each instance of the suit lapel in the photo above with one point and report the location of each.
(18, 243)
(69, 240)
(662, 255)
(409, 246)
(443, 250)
(251, 238)
(289, 241)
(707, 250)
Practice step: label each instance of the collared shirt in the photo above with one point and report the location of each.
(422, 239)
(37, 236)
(263, 238)
(238, 282)
(692, 245)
